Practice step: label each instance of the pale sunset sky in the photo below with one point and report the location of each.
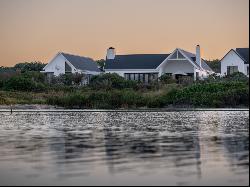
(35, 30)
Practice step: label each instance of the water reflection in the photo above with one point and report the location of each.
(185, 147)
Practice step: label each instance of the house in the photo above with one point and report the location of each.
(64, 63)
(235, 61)
(148, 67)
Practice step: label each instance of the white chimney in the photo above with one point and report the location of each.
(110, 53)
(198, 55)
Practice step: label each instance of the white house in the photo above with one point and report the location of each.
(235, 61)
(148, 67)
(64, 63)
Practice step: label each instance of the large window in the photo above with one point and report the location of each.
(68, 69)
(177, 55)
(141, 77)
(232, 69)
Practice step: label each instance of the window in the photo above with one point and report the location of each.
(68, 69)
(141, 77)
(136, 77)
(232, 69)
(146, 78)
(132, 77)
(180, 56)
(175, 56)
(126, 76)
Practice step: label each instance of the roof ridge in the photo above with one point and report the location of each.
(141, 54)
(242, 48)
(77, 55)
(239, 54)
(187, 51)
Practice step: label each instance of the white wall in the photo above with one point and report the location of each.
(246, 65)
(232, 59)
(57, 66)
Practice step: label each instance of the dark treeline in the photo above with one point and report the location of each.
(24, 67)
(215, 65)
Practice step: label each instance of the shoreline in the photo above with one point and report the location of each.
(50, 108)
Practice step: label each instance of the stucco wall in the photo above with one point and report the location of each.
(232, 59)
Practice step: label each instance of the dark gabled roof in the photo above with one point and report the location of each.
(244, 53)
(137, 61)
(82, 63)
(147, 61)
(192, 57)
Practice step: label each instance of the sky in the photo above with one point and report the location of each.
(36, 30)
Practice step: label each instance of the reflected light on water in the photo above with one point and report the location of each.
(125, 148)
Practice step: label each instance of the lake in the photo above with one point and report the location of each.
(124, 148)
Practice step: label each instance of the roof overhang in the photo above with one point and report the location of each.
(179, 50)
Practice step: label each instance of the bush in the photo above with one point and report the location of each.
(130, 98)
(223, 94)
(20, 83)
(68, 79)
(3, 101)
(26, 67)
(186, 80)
(1, 84)
(101, 100)
(109, 81)
(35, 76)
(240, 77)
(116, 99)
(167, 79)
(74, 100)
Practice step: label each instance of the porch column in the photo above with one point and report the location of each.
(160, 72)
(195, 78)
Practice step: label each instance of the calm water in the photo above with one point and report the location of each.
(125, 148)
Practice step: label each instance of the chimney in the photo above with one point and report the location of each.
(110, 53)
(198, 55)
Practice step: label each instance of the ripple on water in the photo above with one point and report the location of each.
(188, 147)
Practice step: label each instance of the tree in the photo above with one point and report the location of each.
(32, 66)
(6, 69)
(215, 65)
(101, 63)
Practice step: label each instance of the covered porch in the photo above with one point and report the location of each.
(178, 66)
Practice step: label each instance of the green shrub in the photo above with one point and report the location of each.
(34, 76)
(74, 100)
(3, 101)
(109, 81)
(221, 94)
(167, 79)
(1, 84)
(240, 77)
(20, 83)
(101, 100)
(32, 66)
(130, 98)
(186, 80)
